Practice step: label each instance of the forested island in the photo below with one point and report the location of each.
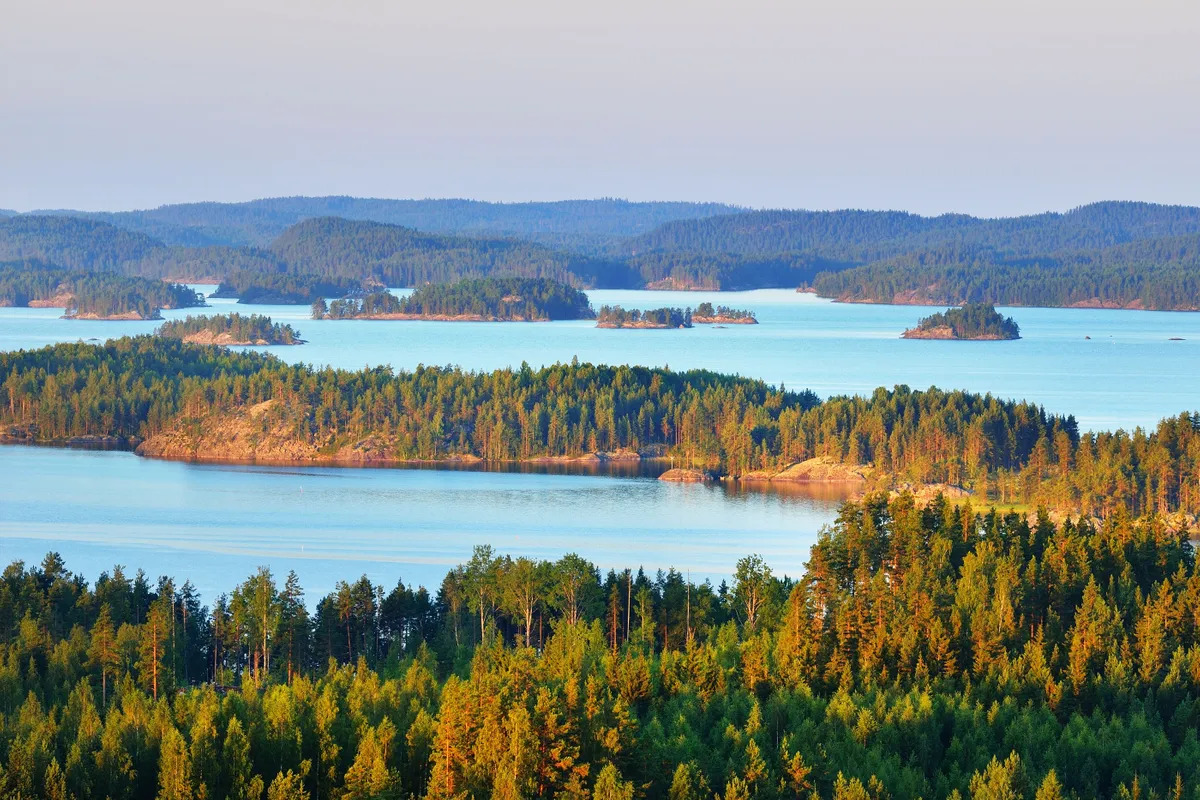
(474, 299)
(1104, 255)
(655, 318)
(230, 329)
(972, 322)
(705, 314)
(178, 400)
(280, 288)
(87, 295)
(923, 652)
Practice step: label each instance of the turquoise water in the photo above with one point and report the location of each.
(1128, 373)
(215, 524)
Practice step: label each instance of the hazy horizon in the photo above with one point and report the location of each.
(61, 209)
(992, 109)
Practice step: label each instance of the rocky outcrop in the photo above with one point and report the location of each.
(816, 470)
(683, 475)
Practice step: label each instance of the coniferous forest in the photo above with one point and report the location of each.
(148, 389)
(924, 652)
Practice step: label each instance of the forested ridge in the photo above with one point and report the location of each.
(96, 294)
(135, 388)
(924, 652)
(1138, 255)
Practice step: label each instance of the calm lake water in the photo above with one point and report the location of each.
(215, 524)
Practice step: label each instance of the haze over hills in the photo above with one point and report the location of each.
(1120, 254)
(581, 224)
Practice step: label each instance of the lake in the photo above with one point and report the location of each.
(1128, 373)
(215, 524)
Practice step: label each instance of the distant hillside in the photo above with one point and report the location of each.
(865, 236)
(77, 244)
(1116, 254)
(1148, 273)
(399, 256)
(587, 225)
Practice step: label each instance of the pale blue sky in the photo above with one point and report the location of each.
(926, 105)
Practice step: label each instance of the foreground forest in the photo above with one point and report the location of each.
(924, 652)
(192, 401)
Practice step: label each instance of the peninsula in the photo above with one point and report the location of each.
(972, 322)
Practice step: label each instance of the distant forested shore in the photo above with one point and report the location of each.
(90, 295)
(177, 400)
(296, 250)
(926, 650)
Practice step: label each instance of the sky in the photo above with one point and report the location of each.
(984, 107)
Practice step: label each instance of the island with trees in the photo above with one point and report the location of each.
(231, 329)
(652, 318)
(493, 299)
(972, 322)
(705, 314)
(90, 295)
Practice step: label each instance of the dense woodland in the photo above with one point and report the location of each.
(618, 317)
(972, 321)
(1002, 450)
(924, 652)
(90, 293)
(252, 328)
(1121, 254)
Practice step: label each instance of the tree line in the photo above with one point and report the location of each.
(1005, 451)
(923, 652)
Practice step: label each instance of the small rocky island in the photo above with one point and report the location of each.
(971, 322)
(654, 318)
(231, 329)
(470, 300)
(705, 314)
